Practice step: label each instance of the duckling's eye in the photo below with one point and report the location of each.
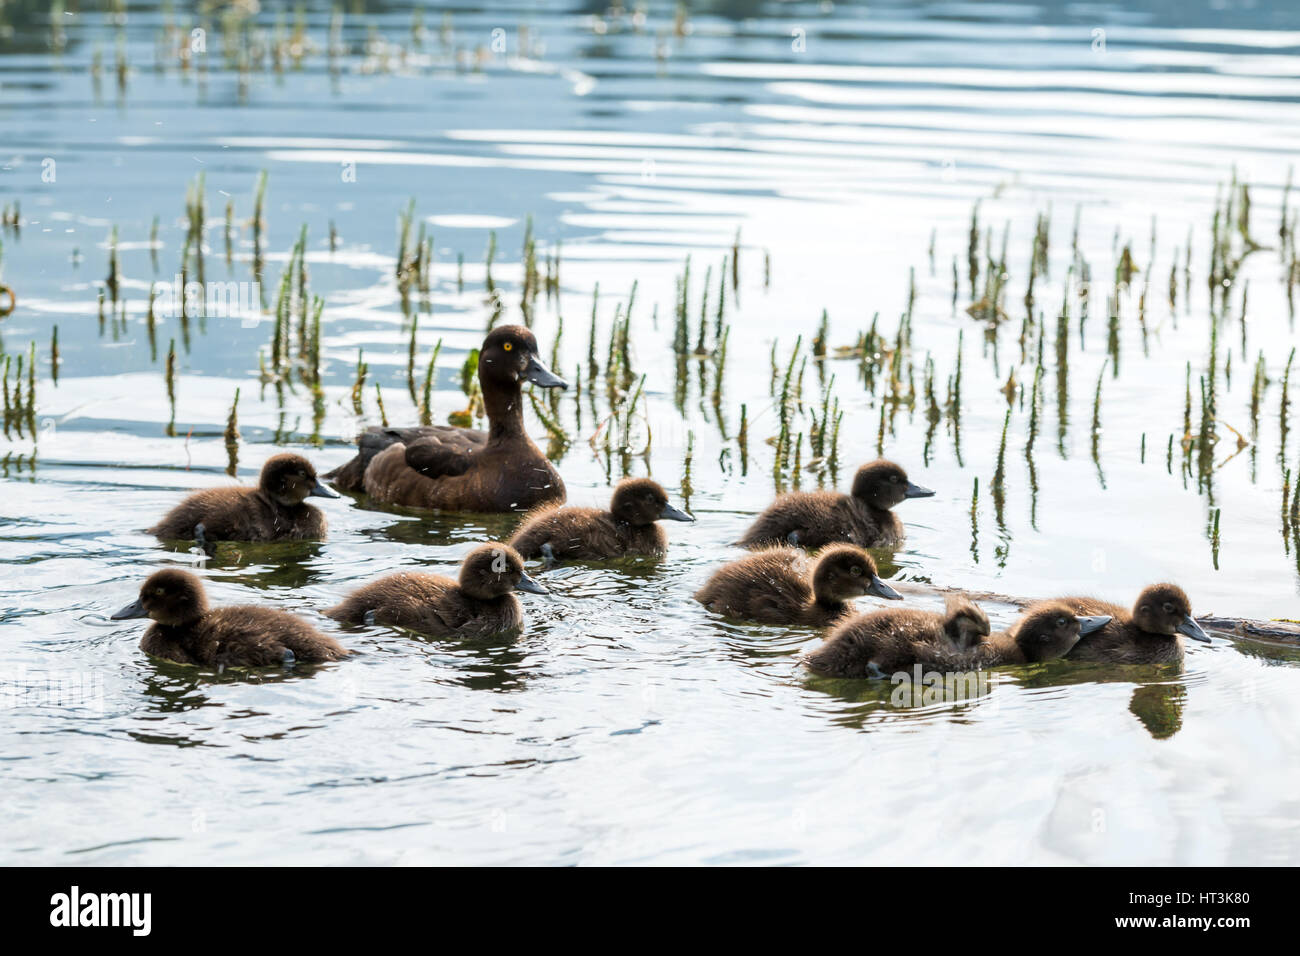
(857, 571)
(159, 592)
(1169, 608)
(508, 346)
(893, 479)
(1061, 622)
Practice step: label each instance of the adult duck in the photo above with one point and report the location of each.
(464, 469)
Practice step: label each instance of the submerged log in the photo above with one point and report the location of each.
(1238, 627)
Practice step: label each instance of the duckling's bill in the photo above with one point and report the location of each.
(674, 514)
(320, 491)
(1193, 630)
(1088, 625)
(134, 609)
(528, 584)
(880, 589)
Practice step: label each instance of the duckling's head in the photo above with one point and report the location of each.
(1049, 631)
(1165, 609)
(883, 484)
(290, 479)
(171, 597)
(845, 571)
(964, 621)
(493, 570)
(640, 501)
(509, 357)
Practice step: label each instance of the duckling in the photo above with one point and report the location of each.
(884, 642)
(784, 586)
(273, 511)
(478, 605)
(186, 630)
(1149, 634)
(628, 527)
(811, 519)
(463, 469)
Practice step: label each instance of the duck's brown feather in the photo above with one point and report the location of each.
(823, 517)
(585, 534)
(428, 603)
(772, 587)
(241, 514)
(241, 636)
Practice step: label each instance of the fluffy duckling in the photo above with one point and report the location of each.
(479, 604)
(464, 469)
(812, 519)
(273, 511)
(884, 642)
(628, 527)
(784, 586)
(1149, 634)
(186, 630)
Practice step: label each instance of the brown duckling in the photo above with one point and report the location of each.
(1149, 634)
(628, 527)
(479, 604)
(273, 511)
(463, 469)
(885, 642)
(784, 586)
(812, 519)
(186, 630)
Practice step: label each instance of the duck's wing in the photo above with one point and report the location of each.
(436, 451)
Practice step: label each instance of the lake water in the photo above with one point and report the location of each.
(847, 144)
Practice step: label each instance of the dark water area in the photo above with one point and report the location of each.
(843, 149)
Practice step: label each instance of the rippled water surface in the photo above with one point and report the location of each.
(847, 145)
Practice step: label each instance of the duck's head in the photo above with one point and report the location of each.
(1164, 609)
(964, 621)
(845, 571)
(171, 597)
(883, 484)
(1050, 630)
(290, 479)
(640, 501)
(509, 357)
(493, 570)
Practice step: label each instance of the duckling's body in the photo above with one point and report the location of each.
(479, 604)
(187, 631)
(881, 642)
(627, 528)
(1150, 633)
(885, 642)
(464, 469)
(273, 511)
(813, 519)
(785, 586)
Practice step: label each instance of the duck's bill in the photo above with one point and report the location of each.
(674, 514)
(917, 491)
(540, 375)
(1192, 629)
(528, 584)
(880, 589)
(134, 609)
(320, 491)
(1087, 625)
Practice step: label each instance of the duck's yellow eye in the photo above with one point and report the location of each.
(160, 591)
(508, 346)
